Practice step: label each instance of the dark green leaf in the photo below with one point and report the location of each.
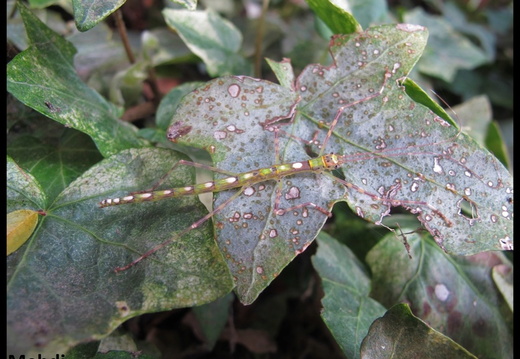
(51, 155)
(336, 18)
(212, 318)
(455, 295)
(65, 273)
(43, 77)
(348, 311)
(399, 334)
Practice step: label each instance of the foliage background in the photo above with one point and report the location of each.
(468, 61)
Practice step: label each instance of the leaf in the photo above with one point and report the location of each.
(254, 249)
(455, 295)
(284, 72)
(370, 12)
(339, 20)
(399, 334)
(348, 311)
(475, 116)
(170, 101)
(88, 13)
(484, 36)
(23, 190)
(20, 226)
(212, 318)
(43, 78)
(418, 95)
(215, 40)
(51, 154)
(126, 85)
(503, 278)
(188, 4)
(97, 51)
(448, 51)
(162, 47)
(66, 275)
(496, 144)
(396, 153)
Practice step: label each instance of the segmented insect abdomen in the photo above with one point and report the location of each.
(275, 172)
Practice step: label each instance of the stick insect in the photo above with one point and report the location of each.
(390, 151)
(243, 182)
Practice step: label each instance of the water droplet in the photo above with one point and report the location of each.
(436, 166)
(442, 292)
(414, 187)
(494, 218)
(249, 191)
(234, 90)
(273, 233)
(292, 193)
(467, 191)
(381, 144)
(259, 270)
(219, 135)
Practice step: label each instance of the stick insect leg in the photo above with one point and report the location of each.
(282, 211)
(388, 199)
(342, 108)
(194, 225)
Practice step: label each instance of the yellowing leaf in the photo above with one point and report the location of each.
(20, 226)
